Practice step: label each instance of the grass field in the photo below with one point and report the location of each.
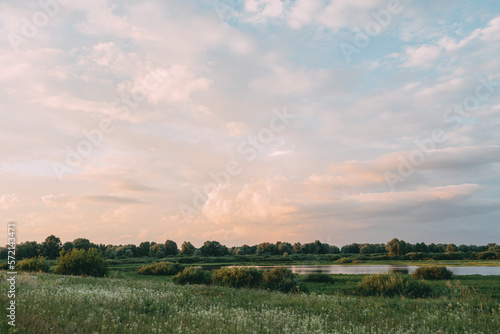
(49, 303)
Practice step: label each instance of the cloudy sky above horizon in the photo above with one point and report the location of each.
(246, 121)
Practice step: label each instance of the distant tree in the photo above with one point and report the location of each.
(143, 248)
(82, 243)
(27, 249)
(51, 247)
(451, 248)
(366, 249)
(68, 245)
(352, 248)
(157, 250)
(171, 248)
(421, 247)
(492, 247)
(4, 252)
(296, 247)
(463, 248)
(243, 250)
(396, 247)
(213, 248)
(334, 249)
(110, 253)
(266, 248)
(284, 247)
(187, 248)
(129, 253)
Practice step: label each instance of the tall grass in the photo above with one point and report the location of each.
(64, 304)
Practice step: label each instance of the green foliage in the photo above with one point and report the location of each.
(344, 260)
(82, 262)
(281, 279)
(237, 277)
(34, 264)
(193, 275)
(487, 255)
(318, 278)
(160, 268)
(171, 248)
(27, 249)
(187, 248)
(213, 248)
(433, 272)
(51, 247)
(396, 247)
(390, 285)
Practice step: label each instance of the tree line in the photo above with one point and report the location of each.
(52, 246)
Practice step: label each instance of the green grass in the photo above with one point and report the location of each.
(487, 286)
(49, 303)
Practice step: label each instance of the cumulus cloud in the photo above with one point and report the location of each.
(197, 86)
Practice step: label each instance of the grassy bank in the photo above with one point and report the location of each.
(64, 304)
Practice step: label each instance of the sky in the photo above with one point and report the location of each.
(246, 121)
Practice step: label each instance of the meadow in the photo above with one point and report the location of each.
(130, 303)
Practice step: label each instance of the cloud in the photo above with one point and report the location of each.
(109, 199)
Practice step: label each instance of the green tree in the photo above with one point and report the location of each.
(213, 248)
(51, 247)
(451, 248)
(157, 250)
(82, 243)
(68, 245)
(143, 248)
(82, 262)
(396, 247)
(171, 248)
(187, 248)
(27, 249)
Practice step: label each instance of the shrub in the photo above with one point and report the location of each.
(344, 260)
(160, 268)
(281, 279)
(318, 278)
(81, 262)
(390, 285)
(434, 272)
(486, 255)
(193, 275)
(33, 264)
(237, 277)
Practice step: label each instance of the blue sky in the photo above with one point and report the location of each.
(251, 121)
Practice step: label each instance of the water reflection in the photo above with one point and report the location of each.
(375, 269)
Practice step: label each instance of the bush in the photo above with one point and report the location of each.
(390, 285)
(318, 278)
(33, 264)
(237, 277)
(281, 279)
(486, 255)
(160, 268)
(193, 275)
(82, 262)
(344, 260)
(434, 272)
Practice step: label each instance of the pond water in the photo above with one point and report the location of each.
(375, 269)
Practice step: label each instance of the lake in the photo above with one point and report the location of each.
(389, 268)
